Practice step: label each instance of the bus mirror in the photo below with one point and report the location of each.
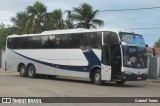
(123, 43)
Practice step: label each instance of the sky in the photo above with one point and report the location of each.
(145, 22)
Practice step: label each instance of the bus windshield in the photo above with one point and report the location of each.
(132, 39)
(134, 57)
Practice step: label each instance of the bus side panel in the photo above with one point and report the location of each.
(64, 62)
(11, 60)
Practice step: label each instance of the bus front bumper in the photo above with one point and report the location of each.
(131, 77)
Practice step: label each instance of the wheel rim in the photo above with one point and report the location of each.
(31, 71)
(22, 70)
(97, 77)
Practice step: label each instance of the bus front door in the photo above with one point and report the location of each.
(115, 60)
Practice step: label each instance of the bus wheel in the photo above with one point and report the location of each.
(97, 77)
(22, 71)
(120, 82)
(31, 71)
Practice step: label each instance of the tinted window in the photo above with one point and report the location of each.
(106, 56)
(24, 42)
(111, 38)
(61, 41)
(79, 40)
(75, 40)
(93, 40)
(48, 41)
(14, 43)
(34, 42)
(10, 43)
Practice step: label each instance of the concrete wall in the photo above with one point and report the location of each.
(154, 67)
(158, 67)
(2, 59)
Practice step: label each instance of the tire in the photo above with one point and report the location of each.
(97, 77)
(120, 82)
(22, 71)
(31, 71)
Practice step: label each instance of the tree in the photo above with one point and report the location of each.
(49, 22)
(20, 21)
(69, 20)
(157, 43)
(36, 19)
(86, 17)
(4, 32)
(37, 14)
(58, 18)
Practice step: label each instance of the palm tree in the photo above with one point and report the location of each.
(57, 16)
(20, 21)
(37, 14)
(86, 17)
(49, 22)
(69, 20)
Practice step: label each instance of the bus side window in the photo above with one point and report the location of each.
(61, 41)
(93, 40)
(25, 43)
(74, 41)
(10, 43)
(48, 41)
(34, 42)
(17, 43)
(111, 38)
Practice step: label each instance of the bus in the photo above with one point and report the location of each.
(97, 54)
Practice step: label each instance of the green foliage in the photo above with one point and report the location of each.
(57, 16)
(86, 17)
(4, 32)
(37, 14)
(157, 43)
(20, 22)
(69, 20)
(35, 18)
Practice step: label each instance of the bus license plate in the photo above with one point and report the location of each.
(139, 78)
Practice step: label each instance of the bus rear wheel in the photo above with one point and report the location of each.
(31, 71)
(22, 71)
(97, 77)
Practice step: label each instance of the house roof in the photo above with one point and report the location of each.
(151, 51)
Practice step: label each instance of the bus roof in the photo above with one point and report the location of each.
(78, 30)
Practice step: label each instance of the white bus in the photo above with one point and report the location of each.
(101, 55)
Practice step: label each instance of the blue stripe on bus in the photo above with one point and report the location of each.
(90, 56)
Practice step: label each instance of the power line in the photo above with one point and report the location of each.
(133, 9)
(143, 28)
(131, 19)
(134, 25)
